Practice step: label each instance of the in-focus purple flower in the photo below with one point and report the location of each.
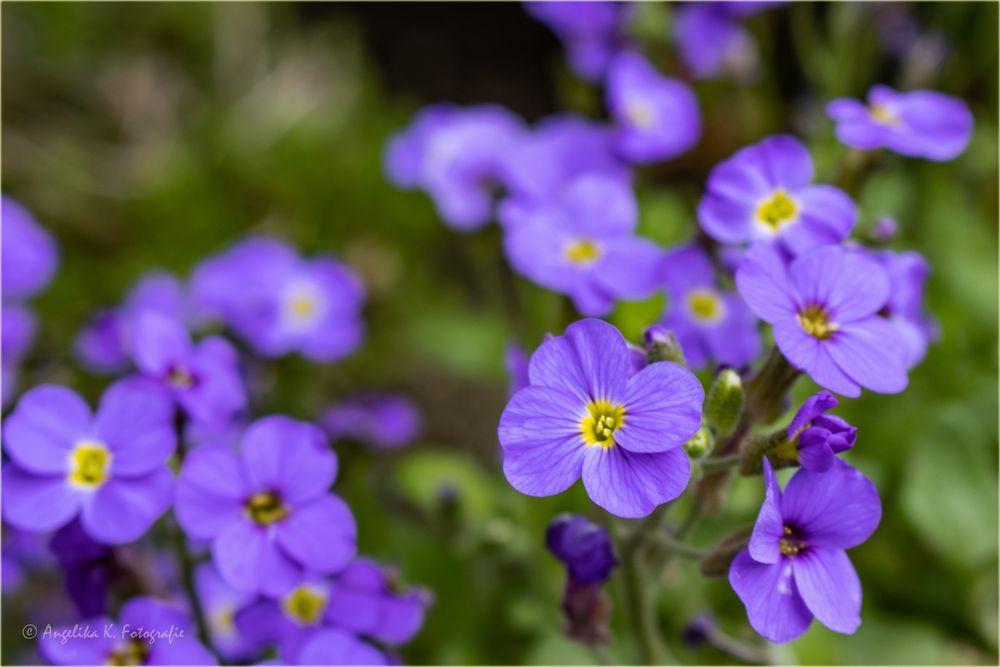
(140, 637)
(764, 192)
(384, 421)
(712, 41)
(583, 547)
(516, 363)
(203, 378)
(104, 344)
(16, 336)
(710, 324)
(591, 32)
(109, 468)
(583, 415)
(88, 565)
(457, 156)
(584, 245)
(820, 436)
(796, 567)
(824, 310)
(280, 302)
(657, 117)
(919, 123)
(908, 273)
(30, 254)
(221, 602)
(267, 509)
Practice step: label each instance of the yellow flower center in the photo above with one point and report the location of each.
(88, 464)
(815, 321)
(583, 251)
(639, 114)
(223, 620)
(305, 605)
(882, 114)
(180, 378)
(790, 544)
(301, 307)
(133, 653)
(266, 508)
(602, 420)
(776, 211)
(705, 305)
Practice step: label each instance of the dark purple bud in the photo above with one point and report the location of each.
(698, 631)
(585, 548)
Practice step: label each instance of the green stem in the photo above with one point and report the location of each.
(674, 546)
(642, 608)
(718, 463)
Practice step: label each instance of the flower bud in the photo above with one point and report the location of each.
(662, 345)
(724, 403)
(776, 446)
(700, 443)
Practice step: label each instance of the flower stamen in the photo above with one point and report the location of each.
(602, 420)
(815, 321)
(266, 508)
(89, 464)
(583, 251)
(777, 211)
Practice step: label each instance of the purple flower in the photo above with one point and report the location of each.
(657, 117)
(795, 567)
(591, 32)
(583, 547)
(820, 436)
(824, 310)
(457, 156)
(764, 193)
(710, 324)
(23, 554)
(221, 602)
(88, 565)
(583, 415)
(104, 344)
(267, 509)
(203, 378)
(281, 303)
(149, 632)
(908, 273)
(16, 336)
(584, 245)
(920, 123)
(712, 41)
(30, 255)
(109, 468)
(332, 646)
(516, 363)
(384, 421)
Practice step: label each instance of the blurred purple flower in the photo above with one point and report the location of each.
(627, 447)
(908, 273)
(796, 567)
(583, 547)
(384, 421)
(100, 641)
(457, 155)
(109, 468)
(712, 41)
(23, 553)
(221, 602)
(203, 378)
(584, 245)
(919, 123)
(267, 509)
(710, 324)
(657, 118)
(282, 303)
(820, 437)
(331, 646)
(16, 336)
(591, 32)
(764, 193)
(824, 311)
(516, 362)
(29, 253)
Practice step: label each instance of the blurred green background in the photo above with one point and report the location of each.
(152, 135)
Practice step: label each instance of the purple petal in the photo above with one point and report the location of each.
(830, 588)
(870, 353)
(764, 284)
(158, 342)
(848, 284)
(86, 648)
(28, 256)
(786, 162)
(135, 420)
(600, 205)
(837, 509)
(662, 408)
(827, 217)
(813, 407)
(336, 647)
(288, 456)
(320, 535)
(590, 361)
(248, 558)
(630, 268)
(815, 452)
(183, 651)
(210, 492)
(219, 392)
(37, 504)
(45, 425)
(812, 355)
(938, 127)
(542, 440)
(774, 606)
(770, 526)
(122, 509)
(633, 485)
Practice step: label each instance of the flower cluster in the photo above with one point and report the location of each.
(266, 551)
(776, 245)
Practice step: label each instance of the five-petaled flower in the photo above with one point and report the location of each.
(584, 415)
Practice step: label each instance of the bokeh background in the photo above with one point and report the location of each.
(151, 135)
